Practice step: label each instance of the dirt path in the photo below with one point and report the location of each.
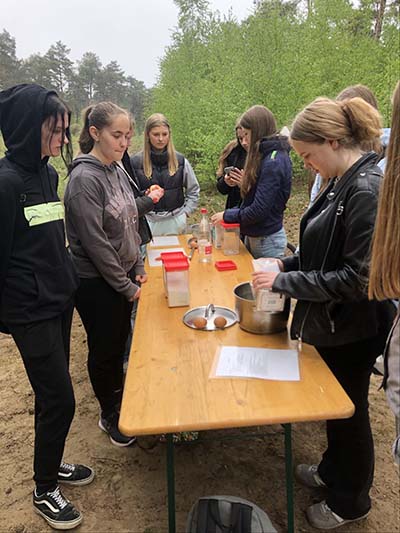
(129, 492)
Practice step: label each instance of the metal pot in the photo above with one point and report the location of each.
(258, 321)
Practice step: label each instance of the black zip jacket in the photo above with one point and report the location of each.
(237, 158)
(144, 203)
(329, 278)
(37, 277)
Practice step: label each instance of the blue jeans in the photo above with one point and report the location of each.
(270, 246)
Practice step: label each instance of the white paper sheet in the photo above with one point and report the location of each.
(152, 254)
(164, 241)
(262, 363)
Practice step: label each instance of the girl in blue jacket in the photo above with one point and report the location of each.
(265, 186)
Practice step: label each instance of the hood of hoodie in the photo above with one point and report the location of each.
(91, 160)
(21, 118)
(278, 142)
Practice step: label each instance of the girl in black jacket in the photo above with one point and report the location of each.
(38, 282)
(233, 155)
(329, 278)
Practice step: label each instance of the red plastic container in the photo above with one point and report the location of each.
(225, 265)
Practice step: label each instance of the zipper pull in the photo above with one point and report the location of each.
(332, 326)
(299, 344)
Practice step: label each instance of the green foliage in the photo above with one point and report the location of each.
(283, 56)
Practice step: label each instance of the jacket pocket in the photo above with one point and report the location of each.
(54, 287)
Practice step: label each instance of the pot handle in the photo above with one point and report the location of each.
(210, 310)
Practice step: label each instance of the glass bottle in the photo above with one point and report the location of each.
(204, 239)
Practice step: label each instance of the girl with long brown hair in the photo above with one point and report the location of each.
(265, 186)
(384, 280)
(328, 280)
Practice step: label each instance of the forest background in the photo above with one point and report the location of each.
(283, 56)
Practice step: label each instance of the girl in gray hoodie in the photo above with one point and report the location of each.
(102, 229)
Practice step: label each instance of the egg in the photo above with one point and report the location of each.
(219, 322)
(199, 322)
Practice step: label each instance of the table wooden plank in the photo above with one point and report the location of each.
(168, 388)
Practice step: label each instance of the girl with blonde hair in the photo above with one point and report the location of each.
(160, 165)
(384, 280)
(328, 279)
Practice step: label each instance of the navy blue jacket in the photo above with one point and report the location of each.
(261, 213)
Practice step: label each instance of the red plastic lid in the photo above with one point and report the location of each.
(167, 256)
(226, 225)
(176, 265)
(225, 265)
(203, 210)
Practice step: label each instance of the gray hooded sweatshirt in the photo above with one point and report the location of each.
(102, 224)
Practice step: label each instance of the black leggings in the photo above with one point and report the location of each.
(347, 466)
(105, 314)
(44, 347)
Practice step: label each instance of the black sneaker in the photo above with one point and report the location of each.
(58, 512)
(110, 426)
(71, 474)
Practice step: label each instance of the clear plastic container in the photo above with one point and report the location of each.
(166, 257)
(218, 236)
(231, 239)
(177, 282)
(266, 299)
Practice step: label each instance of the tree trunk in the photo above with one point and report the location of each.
(380, 12)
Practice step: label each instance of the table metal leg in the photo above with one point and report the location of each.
(171, 483)
(289, 477)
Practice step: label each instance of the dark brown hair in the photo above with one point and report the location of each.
(99, 116)
(261, 123)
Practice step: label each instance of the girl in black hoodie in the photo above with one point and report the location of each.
(37, 283)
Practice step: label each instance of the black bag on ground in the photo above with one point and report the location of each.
(227, 514)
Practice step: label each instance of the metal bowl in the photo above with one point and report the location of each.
(254, 321)
(210, 312)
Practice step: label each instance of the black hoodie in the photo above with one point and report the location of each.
(37, 277)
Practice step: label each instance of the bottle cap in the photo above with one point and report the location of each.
(203, 210)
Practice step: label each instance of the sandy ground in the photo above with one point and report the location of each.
(129, 492)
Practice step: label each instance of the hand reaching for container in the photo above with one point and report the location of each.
(217, 218)
(265, 280)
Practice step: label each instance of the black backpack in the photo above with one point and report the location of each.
(227, 514)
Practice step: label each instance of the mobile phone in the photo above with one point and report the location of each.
(227, 170)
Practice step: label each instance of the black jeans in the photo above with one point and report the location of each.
(347, 466)
(105, 314)
(44, 347)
